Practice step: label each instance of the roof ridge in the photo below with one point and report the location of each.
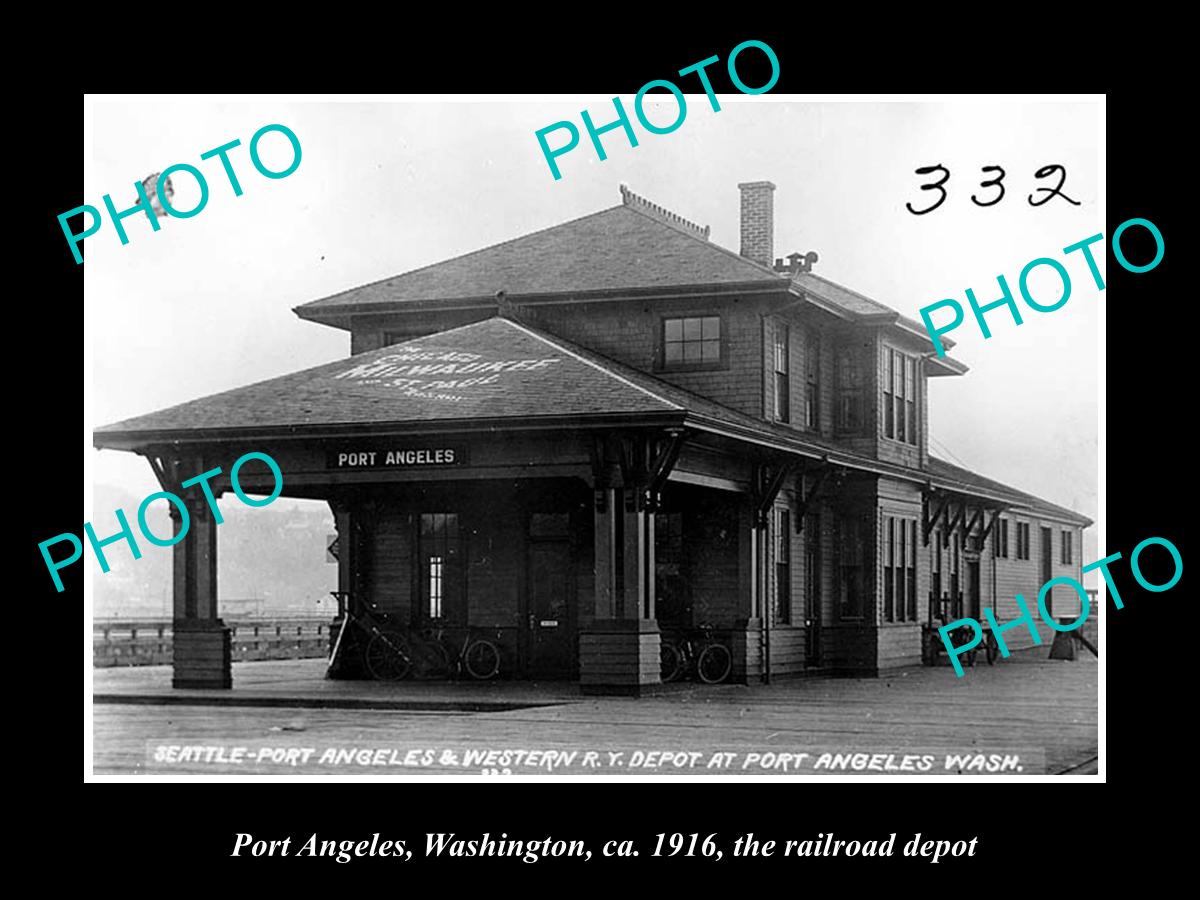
(637, 201)
(713, 245)
(546, 340)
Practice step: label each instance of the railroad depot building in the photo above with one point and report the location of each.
(612, 428)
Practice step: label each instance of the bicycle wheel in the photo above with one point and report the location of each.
(672, 661)
(992, 649)
(387, 656)
(482, 660)
(714, 664)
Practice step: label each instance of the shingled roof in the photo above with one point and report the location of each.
(489, 370)
(493, 374)
(634, 249)
(631, 247)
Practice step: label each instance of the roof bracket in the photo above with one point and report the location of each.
(931, 522)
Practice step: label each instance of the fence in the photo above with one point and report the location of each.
(147, 642)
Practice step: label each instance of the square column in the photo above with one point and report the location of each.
(637, 558)
(619, 652)
(605, 555)
(202, 654)
(349, 661)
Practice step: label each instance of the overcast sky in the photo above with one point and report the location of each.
(204, 304)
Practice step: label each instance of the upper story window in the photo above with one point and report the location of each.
(1022, 540)
(692, 341)
(783, 393)
(850, 390)
(812, 375)
(900, 396)
(1066, 548)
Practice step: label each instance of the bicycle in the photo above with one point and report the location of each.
(478, 657)
(387, 655)
(705, 657)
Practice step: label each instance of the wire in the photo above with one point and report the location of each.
(947, 451)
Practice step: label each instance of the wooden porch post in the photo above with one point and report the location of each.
(619, 650)
(202, 650)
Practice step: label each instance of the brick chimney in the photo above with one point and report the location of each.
(758, 221)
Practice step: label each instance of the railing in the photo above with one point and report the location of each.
(148, 642)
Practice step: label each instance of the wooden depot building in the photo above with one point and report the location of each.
(613, 427)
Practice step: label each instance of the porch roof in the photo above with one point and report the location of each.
(493, 375)
(492, 370)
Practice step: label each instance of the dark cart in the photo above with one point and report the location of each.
(947, 609)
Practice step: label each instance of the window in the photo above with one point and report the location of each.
(851, 577)
(955, 595)
(812, 370)
(898, 392)
(442, 594)
(1000, 539)
(899, 396)
(850, 388)
(889, 408)
(912, 570)
(889, 563)
(436, 566)
(900, 570)
(935, 581)
(783, 567)
(783, 399)
(1022, 540)
(693, 341)
(1066, 548)
(910, 398)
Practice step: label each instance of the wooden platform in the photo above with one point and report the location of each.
(1042, 710)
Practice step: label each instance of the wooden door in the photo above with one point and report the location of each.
(812, 593)
(1048, 569)
(973, 589)
(550, 614)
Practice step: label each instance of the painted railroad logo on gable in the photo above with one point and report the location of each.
(409, 371)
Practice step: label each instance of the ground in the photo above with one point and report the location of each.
(1025, 715)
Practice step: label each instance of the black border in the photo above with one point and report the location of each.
(187, 832)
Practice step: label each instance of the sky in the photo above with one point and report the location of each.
(204, 304)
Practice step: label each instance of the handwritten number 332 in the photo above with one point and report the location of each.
(996, 183)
